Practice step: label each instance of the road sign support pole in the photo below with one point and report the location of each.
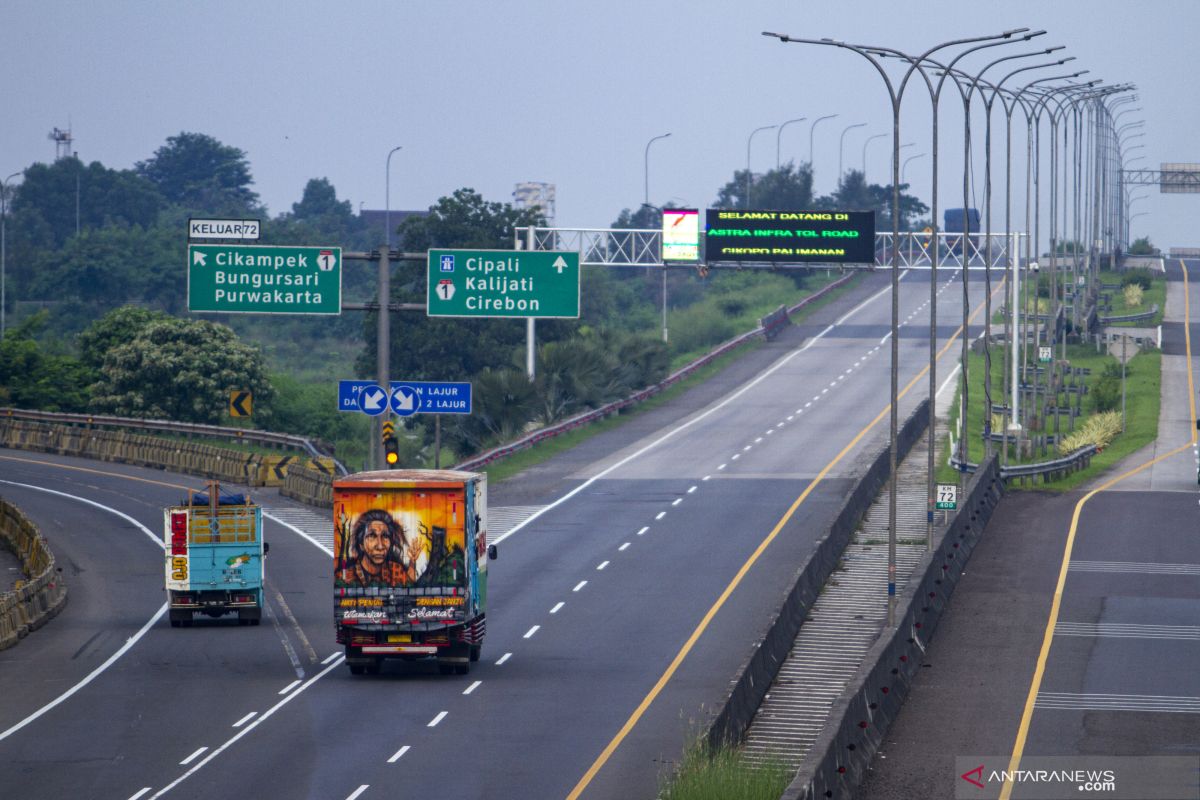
(437, 441)
(531, 323)
(383, 337)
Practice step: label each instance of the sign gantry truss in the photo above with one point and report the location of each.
(619, 247)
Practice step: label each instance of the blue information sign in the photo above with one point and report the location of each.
(405, 398)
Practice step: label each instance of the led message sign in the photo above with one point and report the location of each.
(680, 234)
(827, 237)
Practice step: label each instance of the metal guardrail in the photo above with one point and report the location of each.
(1069, 463)
(169, 426)
(1130, 317)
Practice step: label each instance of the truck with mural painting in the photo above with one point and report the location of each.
(214, 557)
(410, 559)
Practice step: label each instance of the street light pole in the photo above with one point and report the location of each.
(842, 145)
(864, 153)
(904, 166)
(646, 204)
(646, 166)
(811, 130)
(779, 133)
(749, 174)
(383, 330)
(4, 252)
(896, 98)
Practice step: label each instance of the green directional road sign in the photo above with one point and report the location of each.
(503, 283)
(253, 279)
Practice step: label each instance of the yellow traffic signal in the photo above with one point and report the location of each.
(391, 446)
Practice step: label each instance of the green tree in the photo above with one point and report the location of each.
(1142, 247)
(197, 171)
(503, 402)
(182, 370)
(115, 328)
(31, 378)
(44, 206)
(439, 348)
(787, 188)
(855, 194)
(465, 219)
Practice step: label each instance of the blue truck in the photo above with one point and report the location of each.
(959, 222)
(214, 557)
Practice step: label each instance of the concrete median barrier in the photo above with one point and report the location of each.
(40, 598)
(754, 679)
(858, 721)
(308, 484)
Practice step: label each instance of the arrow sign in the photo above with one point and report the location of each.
(559, 264)
(406, 397)
(198, 258)
(372, 400)
(405, 401)
(241, 403)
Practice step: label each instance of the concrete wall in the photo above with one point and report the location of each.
(44, 595)
(841, 756)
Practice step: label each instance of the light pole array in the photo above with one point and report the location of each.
(812, 130)
(646, 167)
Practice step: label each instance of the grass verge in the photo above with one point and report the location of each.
(724, 775)
(1143, 389)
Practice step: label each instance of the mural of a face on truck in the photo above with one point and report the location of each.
(404, 539)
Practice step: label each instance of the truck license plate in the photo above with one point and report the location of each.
(400, 637)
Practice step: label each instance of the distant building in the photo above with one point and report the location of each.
(540, 196)
(375, 222)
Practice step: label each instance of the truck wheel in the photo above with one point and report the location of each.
(357, 669)
(476, 651)
(445, 669)
(462, 669)
(374, 667)
(174, 623)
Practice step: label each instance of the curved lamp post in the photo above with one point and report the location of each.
(749, 174)
(842, 145)
(811, 130)
(779, 133)
(904, 166)
(646, 167)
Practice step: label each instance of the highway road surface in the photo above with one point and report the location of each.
(619, 612)
(1076, 631)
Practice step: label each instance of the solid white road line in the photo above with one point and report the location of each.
(129, 643)
(245, 719)
(331, 657)
(289, 687)
(139, 794)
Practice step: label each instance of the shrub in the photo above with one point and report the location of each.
(1099, 430)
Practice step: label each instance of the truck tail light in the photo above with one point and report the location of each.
(179, 531)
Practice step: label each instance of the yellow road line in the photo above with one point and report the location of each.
(1044, 654)
(669, 673)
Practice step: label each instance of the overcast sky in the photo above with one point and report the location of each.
(487, 94)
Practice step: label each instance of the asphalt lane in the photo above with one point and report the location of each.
(1120, 677)
(539, 718)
